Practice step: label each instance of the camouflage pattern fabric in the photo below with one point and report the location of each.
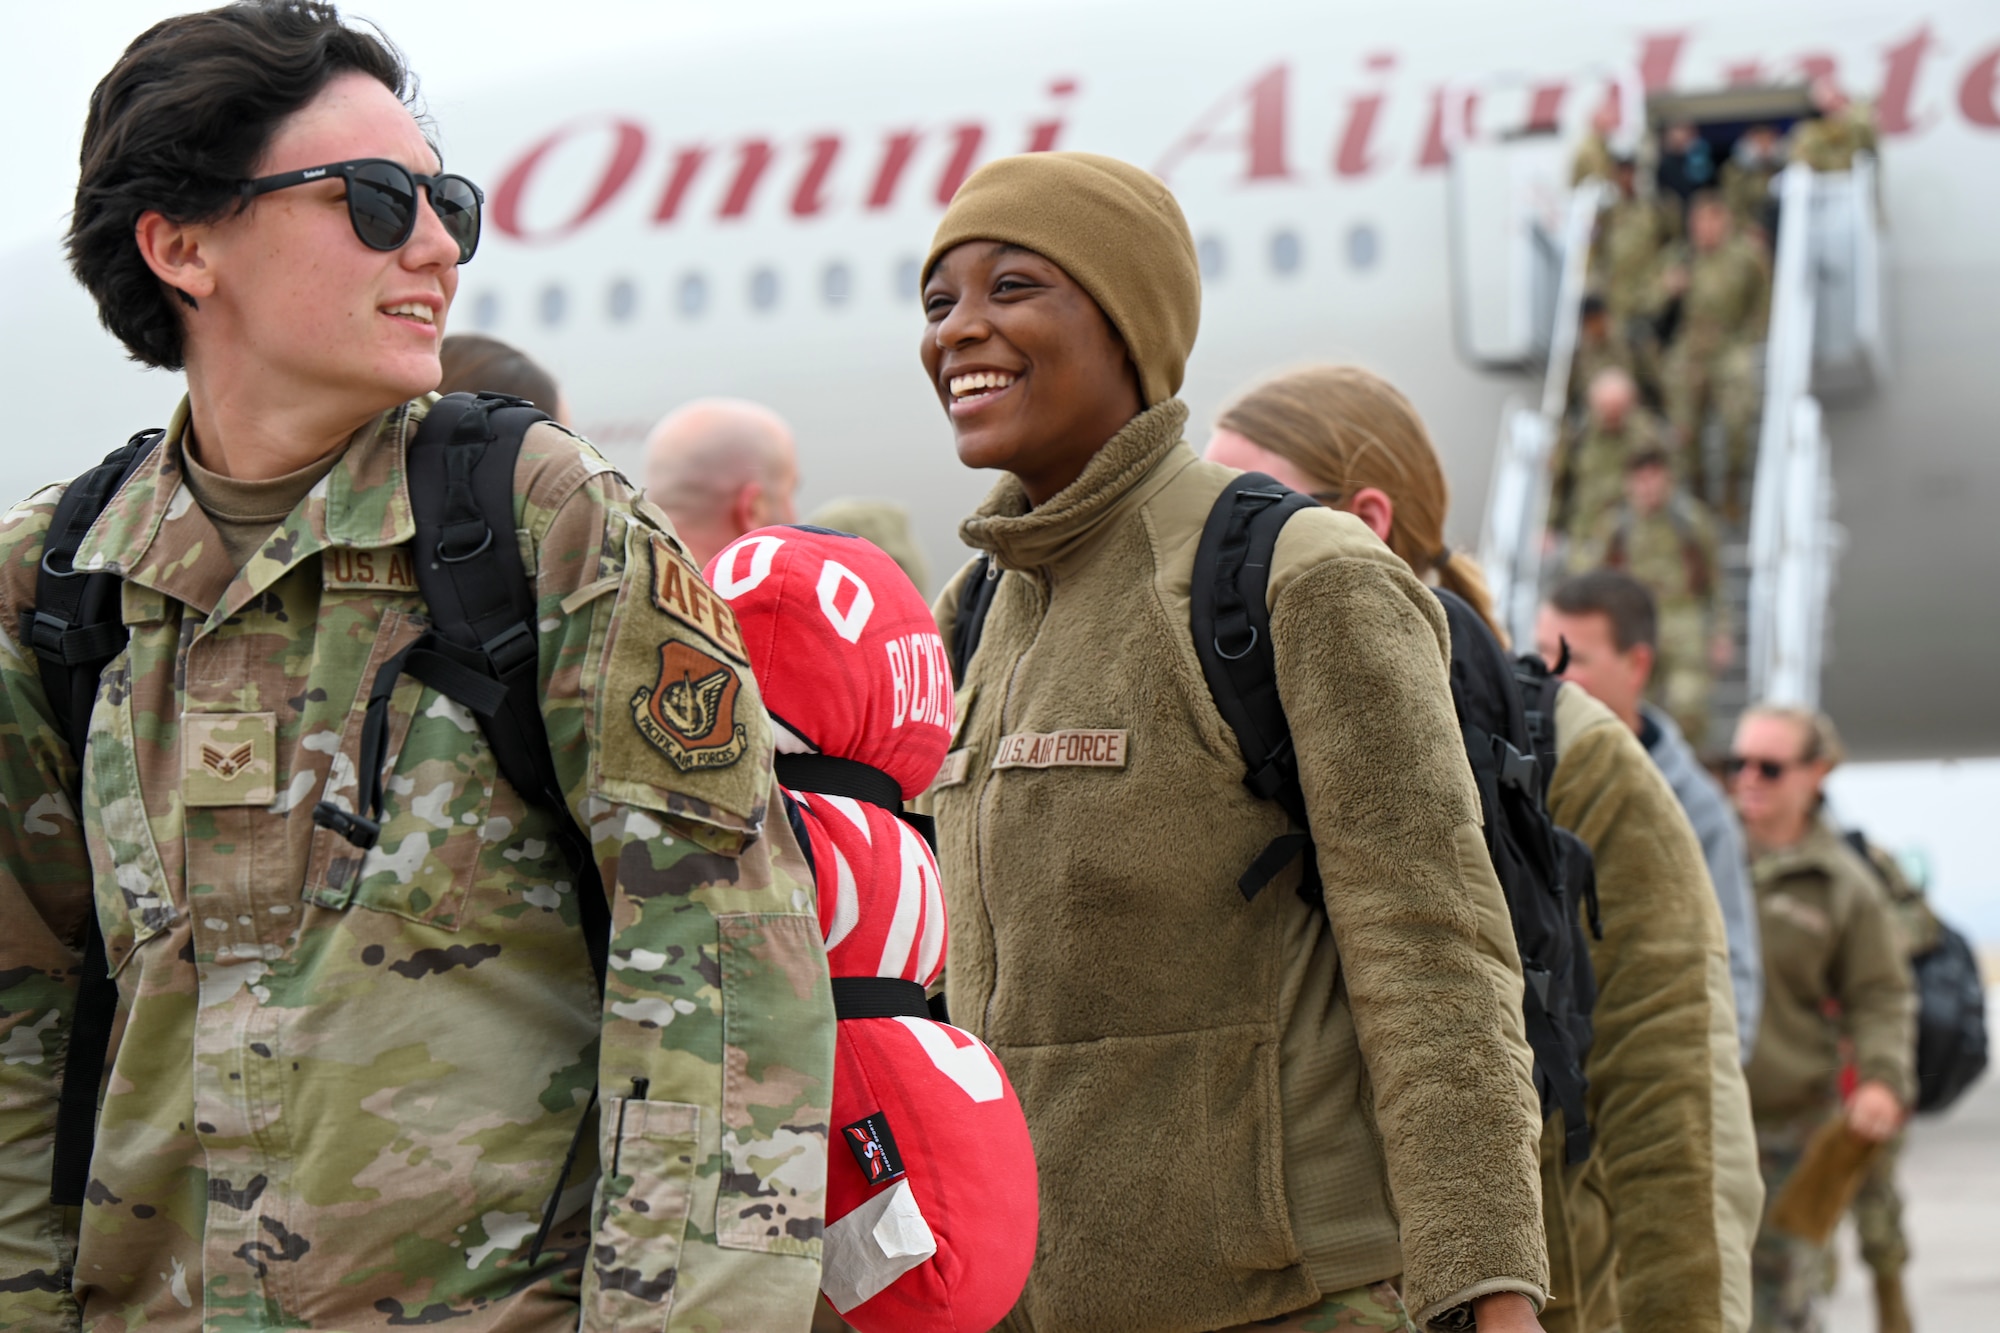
(1878, 1214)
(1375, 1307)
(1711, 366)
(1787, 1274)
(1829, 143)
(347, 1079)
(1631, 236)
(1590, 470)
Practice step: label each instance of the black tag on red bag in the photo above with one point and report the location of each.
(874, 1148)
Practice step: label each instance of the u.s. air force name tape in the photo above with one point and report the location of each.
(1061, 749)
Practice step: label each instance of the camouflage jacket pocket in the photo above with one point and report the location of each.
(648, 1150)
(135, 899)
(775, 1102)
(437, 789)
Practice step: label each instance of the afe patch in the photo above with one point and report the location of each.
(1061, 749)
(689, 714)
(229, 759)
(391, 569)
(679, 591)
(874, 1148)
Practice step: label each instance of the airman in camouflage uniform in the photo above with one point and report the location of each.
(1590, 463)
(1664, 537)
(1599, 347)
(347, 1080)
(1723, 285)
(1843, 128)
(1632, 231)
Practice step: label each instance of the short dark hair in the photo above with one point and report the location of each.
(474, 363)
(1651, 455)
(179, 123)
(1619, 598)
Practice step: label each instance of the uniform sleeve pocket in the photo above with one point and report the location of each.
(134, 902)
(777, 1088)
(648, 1149)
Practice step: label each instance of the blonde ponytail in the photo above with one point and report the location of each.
(1349, 429)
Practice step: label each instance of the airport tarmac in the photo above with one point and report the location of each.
(1951, 1196)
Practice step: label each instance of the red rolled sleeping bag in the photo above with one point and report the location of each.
(931, 1204)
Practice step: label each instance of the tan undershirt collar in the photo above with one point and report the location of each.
(246, 513)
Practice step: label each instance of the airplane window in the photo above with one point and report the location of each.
(907, 274)
(622, 300)
(1286, 252)
(692, 298)
(555, 302)
(1364, 247)
(836, 283)
(485, 310)
(763, 289)
(1211, 255)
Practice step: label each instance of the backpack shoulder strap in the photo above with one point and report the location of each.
(1231, 626)
(975, 599)
(76, 627)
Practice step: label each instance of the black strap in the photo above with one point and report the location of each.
(1231, 626)
(1553, 1060)
(975, 599)
(831, 776)
(878, 997)
(75, 628)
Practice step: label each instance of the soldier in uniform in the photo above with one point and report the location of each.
(1843, 128)
(1878, 1208)
(1723, 286)
(1835, 967)
(1747, 182)
(349, 1077)
(1632, 232)
(1664, 538)
(1599, 347)
(1590, 463)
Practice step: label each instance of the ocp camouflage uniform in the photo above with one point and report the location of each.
(1829, 143)
(1673, 551)
(1590, 471)
(347, 1080)
(1711, 364)
(1592, 358)
(1631, 235)
(1829, 934)
(1377, 1308)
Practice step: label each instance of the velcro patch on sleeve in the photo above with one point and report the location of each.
(1061, 749)
(679, 591)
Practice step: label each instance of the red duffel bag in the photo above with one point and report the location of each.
(931, 1210)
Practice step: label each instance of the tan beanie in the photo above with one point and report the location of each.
(1113, 228)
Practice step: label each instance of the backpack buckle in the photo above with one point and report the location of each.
(1517, 770)
(45, 633)
(511, 649)
(360, 830)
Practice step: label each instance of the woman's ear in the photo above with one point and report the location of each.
(176, 253)
(1375, 508)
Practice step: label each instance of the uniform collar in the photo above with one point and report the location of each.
(1820, 850)
(155, 535)
(1132, 465)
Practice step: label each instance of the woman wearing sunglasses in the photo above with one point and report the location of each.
(351, 1069)
(1835, 968)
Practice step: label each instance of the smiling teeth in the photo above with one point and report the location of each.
(961, 385)
(414, 309)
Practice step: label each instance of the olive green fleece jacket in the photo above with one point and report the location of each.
(1653, 1234)
(1830, 933)
(1235, 1105)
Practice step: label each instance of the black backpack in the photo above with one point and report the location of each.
(1951, 1009)
(480, 650)
(1506, 711)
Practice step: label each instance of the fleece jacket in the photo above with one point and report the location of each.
(1654, 1232)
(1830, 933)
(1236, 1105)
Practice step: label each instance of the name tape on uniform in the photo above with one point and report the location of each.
(956, 766)
(1061, 749)
(390, 570)
(679, 591)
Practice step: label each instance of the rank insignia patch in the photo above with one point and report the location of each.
(874, 1148)
(690, 714)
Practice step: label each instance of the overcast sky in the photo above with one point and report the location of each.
(70, 46)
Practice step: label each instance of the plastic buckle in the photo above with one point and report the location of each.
(1517, 770)
(45, 635)
(511, 649)
(357, 829)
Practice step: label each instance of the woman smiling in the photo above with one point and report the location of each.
(1247, 1107)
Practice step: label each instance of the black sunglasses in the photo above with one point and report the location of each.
(1768, 769)
(382, 200)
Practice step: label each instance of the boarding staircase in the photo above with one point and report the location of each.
(1825, 340)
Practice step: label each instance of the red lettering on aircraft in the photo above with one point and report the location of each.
(753, 159)
(1979, 94)
(1264, 103)
(629, 145)
(897, 150)
(686, 163)
(1899, 82)
(809, 199)
(963, 155)
(1352, 158)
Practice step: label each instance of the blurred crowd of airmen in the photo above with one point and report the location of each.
(1670, 340)
(1372, 1160)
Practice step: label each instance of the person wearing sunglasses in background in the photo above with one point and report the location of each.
(348, 1081)
(1835, 966)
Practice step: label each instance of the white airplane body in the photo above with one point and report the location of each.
(746, 217)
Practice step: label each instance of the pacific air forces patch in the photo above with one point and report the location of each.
(690, 712)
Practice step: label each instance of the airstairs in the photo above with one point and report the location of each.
(1826, 340)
